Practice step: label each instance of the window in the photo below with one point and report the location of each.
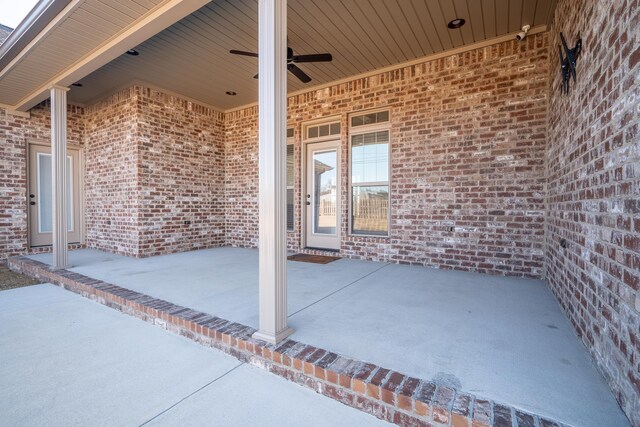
(290, 172)
(370, 138)
(323, 130)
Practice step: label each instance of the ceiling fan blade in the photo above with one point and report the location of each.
(314, 57)
(304, 78)
(242, 52)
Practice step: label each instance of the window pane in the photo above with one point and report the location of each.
(382, 116)
(369, 210)
(324, 130)
(369, 119)
(325, 192)
(290, 165)
(357, 121)
(289, 208)
(312, 132)
(370, 157)
(335, 128)
(290, 133)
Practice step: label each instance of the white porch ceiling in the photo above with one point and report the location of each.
(191, 57)
(90, 23)
(61, 41)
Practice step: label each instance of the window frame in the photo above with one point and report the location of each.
(363, 130)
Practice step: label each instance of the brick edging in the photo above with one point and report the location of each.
(384, 393)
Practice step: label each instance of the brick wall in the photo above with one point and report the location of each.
(15, 134)
(154, 174)
(468, 144)
(181, 172)
(111, 174)
(594, 188)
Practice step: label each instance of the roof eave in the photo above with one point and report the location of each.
(35, 21)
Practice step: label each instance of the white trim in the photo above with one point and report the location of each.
(10, 110)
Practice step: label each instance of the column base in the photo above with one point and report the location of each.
(271, 338)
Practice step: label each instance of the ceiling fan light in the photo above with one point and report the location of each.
(456, 23)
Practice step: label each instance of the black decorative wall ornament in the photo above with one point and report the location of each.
(568, 63)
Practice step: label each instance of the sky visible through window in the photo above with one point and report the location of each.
(12, 12)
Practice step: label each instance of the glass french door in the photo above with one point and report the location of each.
(322, 195)
(41, 192)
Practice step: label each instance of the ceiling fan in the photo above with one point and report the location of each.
(292, 60)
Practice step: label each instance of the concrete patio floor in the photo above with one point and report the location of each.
(498, 337)
(65, 360)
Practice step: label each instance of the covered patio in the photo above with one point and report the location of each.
(499, 338)
(480, 191)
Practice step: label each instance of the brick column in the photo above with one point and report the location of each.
(272, 123)
(59, 175)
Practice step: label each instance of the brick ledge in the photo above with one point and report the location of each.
(384, 393)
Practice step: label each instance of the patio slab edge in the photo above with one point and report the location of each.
(384, 393)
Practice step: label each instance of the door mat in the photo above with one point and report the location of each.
(316, 259)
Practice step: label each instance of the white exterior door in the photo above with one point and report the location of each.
(40, 195)
(322, 195)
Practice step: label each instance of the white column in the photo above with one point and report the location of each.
(272, 123)
(59, 175)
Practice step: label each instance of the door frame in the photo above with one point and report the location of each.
(305, 143)
(81, 193)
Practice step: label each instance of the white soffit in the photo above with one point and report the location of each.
(191, 57)
(84, 36)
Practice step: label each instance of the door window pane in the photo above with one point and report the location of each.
(290, 172)
(325, 192)
(44, 200)
(290, 165)
(45, 194)
(369, 210)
